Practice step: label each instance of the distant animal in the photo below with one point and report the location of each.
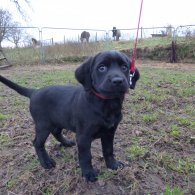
(85, 36)
(35, 42)
(92, 110)
(116, 34)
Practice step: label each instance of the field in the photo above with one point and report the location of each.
(150, 48)
(155, 140)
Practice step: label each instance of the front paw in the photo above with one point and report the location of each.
(48, 163)
(90, 175)
(114, 164)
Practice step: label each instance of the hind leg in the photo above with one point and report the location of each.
(42, 134)
(65, 142)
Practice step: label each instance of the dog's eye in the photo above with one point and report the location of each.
(124, 68)
(102, 68)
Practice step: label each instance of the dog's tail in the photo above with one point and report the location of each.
(27, 92)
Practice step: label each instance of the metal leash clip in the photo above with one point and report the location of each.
(130, 78)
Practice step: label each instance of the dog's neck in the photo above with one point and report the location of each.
(103, 97)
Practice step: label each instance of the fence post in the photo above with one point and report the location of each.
(96, 37)
(41, 50)
(107, 39)
(173, 47)
(64, 39)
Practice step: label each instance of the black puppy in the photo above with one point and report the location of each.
(91, 110)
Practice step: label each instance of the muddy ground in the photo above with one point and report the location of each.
(155, 140)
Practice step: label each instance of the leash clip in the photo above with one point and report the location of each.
(131, 77)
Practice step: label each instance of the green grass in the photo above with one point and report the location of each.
(11, 183)
(183, 121)
(33, 164)
(190, 109)
(106, 175)
(173, 191)
(135, 150)
(164, 104)
(5, 139)
(150, 117)
(175, 131)
(46, 191)
(45, 78)
(3, 117)
(184, 165)
(67, 157)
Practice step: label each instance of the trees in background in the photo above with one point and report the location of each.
(5, 24)
(10, 30)
(19, 7)
(7, 30)
(16, 34)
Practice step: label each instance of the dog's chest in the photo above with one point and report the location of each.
(110, 122)
(112, 114)
(107, 123)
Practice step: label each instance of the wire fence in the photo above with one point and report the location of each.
(61, 43)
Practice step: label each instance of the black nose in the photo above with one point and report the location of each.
(117, 80)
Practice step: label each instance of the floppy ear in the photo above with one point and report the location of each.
(135, 78)
(83, 74)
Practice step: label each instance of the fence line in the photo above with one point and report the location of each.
(48, 36)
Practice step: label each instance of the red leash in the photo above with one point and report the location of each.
(132, 67)
(135, 42)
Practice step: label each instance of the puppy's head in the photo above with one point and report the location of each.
(106, 73)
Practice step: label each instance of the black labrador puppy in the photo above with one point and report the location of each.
(91, 110)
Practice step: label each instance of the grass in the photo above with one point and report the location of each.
(183, 121)
(46, 191)
(11, 183)
(67, 157)
(185, 165)
(135, 150)
(175, 131)
(33, 164)
(3, 117)
(161, 110)
(148, 118)
(106, 175)
(5, 139)
(172, 191)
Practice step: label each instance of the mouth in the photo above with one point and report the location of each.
(114, 89)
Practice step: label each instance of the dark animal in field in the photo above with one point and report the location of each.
(116, 34)
(35, 43)
(92, 110)
(85, 36)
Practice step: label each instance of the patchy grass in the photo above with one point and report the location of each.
(11, 183)
(135, 150)
(173, 191)
(3, 117)
(155, 140)
(175, 132)
(4, 139)
(106, 175)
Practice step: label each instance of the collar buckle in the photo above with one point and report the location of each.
(131, 75)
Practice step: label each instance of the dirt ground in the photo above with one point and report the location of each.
(163, 162)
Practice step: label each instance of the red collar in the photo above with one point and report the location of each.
(101, 96)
